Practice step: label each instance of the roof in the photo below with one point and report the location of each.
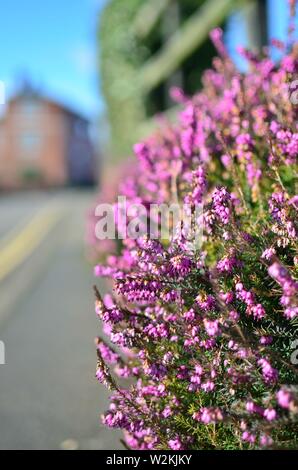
(27, 91)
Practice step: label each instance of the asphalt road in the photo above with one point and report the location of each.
(49, 398)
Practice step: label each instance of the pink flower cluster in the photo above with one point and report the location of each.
(205, 334)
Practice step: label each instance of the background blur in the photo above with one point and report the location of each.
(80, 81)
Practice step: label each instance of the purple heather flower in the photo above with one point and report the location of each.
(221, 199)
(212, 327)
(107, 353)
(285, 398)
(289, 286)
(270, 414)
(175, 444)
(265, 340)
(270, 375)
(167, 412)
(265, 440)
(227, 264)
(208, 415)
(206, 303)
(248, 437)
(234, 316)
(268, 253)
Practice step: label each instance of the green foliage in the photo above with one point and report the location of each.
(121, 56)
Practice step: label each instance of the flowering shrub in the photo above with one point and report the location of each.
(97, 250)
(205, 335)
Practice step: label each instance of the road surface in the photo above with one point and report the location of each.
(49, 398)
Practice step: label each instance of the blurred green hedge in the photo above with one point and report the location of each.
(123, 52)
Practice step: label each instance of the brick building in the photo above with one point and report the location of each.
(42, 143)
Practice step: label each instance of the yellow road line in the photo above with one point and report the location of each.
(24, 244)
(11, 234)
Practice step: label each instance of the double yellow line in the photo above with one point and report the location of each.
(15, 251)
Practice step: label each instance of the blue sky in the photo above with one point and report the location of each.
(53, 42)
(278, 21)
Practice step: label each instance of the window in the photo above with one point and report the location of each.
(30, 107)
(30, 143)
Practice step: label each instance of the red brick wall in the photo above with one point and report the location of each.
(33, 142)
